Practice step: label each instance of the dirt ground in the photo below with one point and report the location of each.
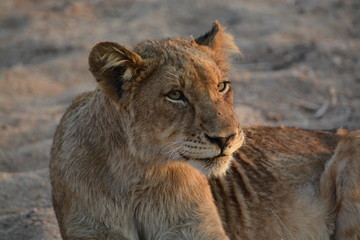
(300, 67)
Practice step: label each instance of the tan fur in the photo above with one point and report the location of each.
(131, 161)
(341, 184)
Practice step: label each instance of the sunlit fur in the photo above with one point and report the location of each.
(131, 161)
(122, 155)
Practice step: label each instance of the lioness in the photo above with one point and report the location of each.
(154, 153)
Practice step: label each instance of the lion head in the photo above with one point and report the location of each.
(173, 98)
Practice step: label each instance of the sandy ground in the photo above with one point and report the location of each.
(301, 67)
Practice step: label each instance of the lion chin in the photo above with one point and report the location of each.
(215, 166)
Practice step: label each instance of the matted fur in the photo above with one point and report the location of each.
(155, 153)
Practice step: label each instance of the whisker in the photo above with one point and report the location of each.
(171, 150)
(172, 75)
(277, 217)
(173, 153)
(171, 144)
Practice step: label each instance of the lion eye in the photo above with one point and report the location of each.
(175, 95)
(223, 87)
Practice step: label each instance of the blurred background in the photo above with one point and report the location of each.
(300, 67)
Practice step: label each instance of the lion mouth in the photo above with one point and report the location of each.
(210, 159)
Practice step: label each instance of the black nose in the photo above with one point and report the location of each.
(220, 141)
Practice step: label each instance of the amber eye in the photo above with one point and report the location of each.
(223, 87)
(175, 95)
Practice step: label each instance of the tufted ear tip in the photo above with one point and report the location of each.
(208, 38)
(218, 39)
(220, 42)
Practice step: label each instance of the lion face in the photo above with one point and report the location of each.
(174, 99)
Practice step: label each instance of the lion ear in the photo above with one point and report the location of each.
(221, 42)
(113, 65)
